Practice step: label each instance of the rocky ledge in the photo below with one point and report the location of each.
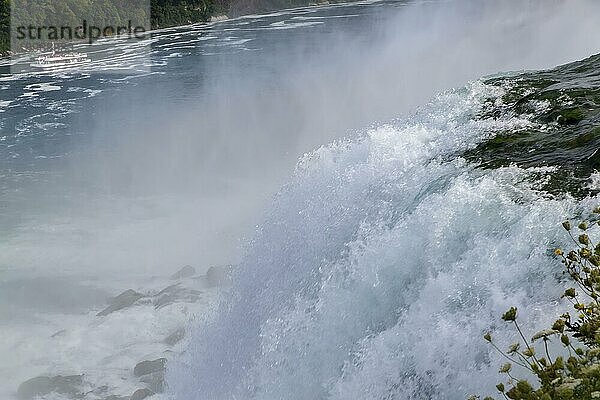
(146, 378)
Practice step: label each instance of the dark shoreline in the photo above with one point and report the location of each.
(216, 11)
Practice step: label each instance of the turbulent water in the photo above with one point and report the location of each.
(370, 271)
(384, 262)
(381, 265)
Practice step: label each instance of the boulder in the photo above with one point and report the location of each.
(152, 373)
(124, 300)
(141, 394)
(44, 385)
(149, 366)
(154, 381)
(175, 293)
(185, 272)
(175, 337)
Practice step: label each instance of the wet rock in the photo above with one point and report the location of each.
(175, 337)
(149, 366)
(185, 272)
(124, 300)
(152, 373)
(175, 293)
(218, 276)
(154, 381)
(44, 385)
(167, 296)
(141, 394)
(171, 289)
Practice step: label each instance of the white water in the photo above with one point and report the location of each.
(380, 267)
(375, 246)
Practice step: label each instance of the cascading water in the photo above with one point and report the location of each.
(375, 271)
(381, 265)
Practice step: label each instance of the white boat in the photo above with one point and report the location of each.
(60, 61)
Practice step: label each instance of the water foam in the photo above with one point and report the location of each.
(379, 268)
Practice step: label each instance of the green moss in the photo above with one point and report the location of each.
(584, 139)
(503, 141)
(570, 116)
(563, 107)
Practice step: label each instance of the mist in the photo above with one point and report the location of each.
(179, 171)
(132, 176)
